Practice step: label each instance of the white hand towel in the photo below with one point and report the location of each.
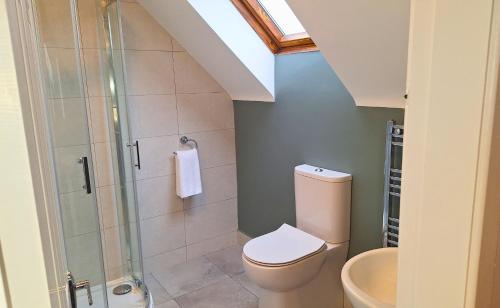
(188, 178)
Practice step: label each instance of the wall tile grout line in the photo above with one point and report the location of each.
(172, 174)
(178, 125)
(184, 133)
(173, 93)
(210, 204)
(180, 247)
(148, 50)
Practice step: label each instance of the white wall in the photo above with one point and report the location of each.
(484, 272)
(3, 290)
(19, 229)
(444, 126)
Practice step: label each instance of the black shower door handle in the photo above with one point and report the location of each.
(136, 146)
(138, 165)
(85, 162)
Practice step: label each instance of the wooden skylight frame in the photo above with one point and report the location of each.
(269, 32)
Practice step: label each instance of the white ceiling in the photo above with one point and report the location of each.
(365, 42)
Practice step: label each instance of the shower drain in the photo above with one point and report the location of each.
(122, 289)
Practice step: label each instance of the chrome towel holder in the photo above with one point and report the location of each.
(186, 140)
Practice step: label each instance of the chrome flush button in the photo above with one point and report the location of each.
(318, 170)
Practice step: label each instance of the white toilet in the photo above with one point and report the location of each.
(300, 267)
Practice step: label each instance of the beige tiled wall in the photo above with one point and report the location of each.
(170, 95)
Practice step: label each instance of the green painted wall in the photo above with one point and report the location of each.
(315, 121)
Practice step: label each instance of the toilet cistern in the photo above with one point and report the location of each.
(300, 267)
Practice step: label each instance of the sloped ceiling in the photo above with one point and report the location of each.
(220, 39)
(365, 42)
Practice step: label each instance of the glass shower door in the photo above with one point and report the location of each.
(125, 151)
(66, 108)
(67, 82)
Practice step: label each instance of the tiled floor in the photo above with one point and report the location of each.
(215, 280)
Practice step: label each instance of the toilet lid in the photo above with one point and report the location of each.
(285, 245)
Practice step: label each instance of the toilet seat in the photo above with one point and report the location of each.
(282, 247)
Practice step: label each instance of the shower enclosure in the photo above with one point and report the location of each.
(79, 47)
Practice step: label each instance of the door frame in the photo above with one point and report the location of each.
(30, 93)
(449, 130)
(484, 256)
(30, 276)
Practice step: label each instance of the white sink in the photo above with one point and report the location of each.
(370, 278)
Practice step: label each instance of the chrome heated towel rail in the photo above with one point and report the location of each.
(392, 184)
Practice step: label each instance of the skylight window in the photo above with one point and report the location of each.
(276, 24)
(282, 16)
